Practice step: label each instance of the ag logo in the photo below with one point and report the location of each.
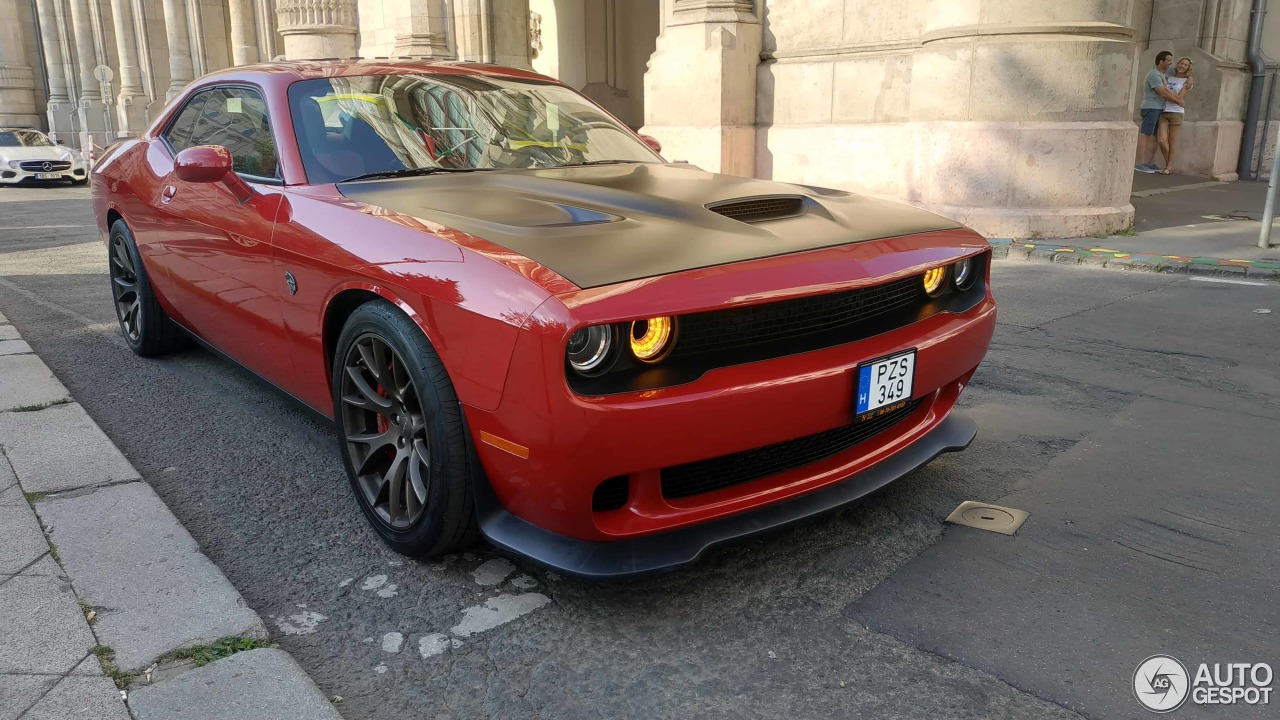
(1161, 683)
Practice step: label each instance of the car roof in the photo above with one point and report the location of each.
(292, 71)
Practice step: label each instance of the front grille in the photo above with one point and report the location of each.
(611, 494)
(721, 330)
(755, 210)
(39, 165)
(695, 478)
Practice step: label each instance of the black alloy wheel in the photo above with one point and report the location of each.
(145, 327)
(385, 431)
(402, 434)
(124, 288)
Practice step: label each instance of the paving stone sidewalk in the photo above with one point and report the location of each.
(1183, 224)
(1095, 253)
(103, 592)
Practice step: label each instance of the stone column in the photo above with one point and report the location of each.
(265, 18)
(473, 31)
(131, 101)
(700, 90)
(1022, 116)
(493, 31)
(244, 32)
(420, 31)
(17, 82)
(510, 33)
(314, 29)
(90, 108)
(59, 107)
(175, 29)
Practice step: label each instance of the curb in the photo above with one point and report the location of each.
(110, 595)
(1099, 257)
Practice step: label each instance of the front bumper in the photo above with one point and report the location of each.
(680, 547)
(14, 176)
(546, 450)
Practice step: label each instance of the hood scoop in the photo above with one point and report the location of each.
(760, 209)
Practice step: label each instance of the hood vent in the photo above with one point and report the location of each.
(760, 209)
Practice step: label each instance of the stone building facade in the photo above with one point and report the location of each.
(1015, 116)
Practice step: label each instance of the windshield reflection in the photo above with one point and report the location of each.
(354, 126)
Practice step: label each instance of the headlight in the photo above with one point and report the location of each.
(962, 274)
(590, 349)
(652, 338)
(933, 280)
(66, 157)
(15, 164)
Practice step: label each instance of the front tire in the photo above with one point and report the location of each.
(143, 323)
(401, 432)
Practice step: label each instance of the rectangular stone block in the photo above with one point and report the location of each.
(61, 448)
(128, 555)
(41, 628)
(80, 697)
(21, 539)
(9, 332)
(14, 347)
(26, 381)
(254, 684)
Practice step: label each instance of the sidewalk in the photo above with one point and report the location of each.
(1183, 224)
(108, 609)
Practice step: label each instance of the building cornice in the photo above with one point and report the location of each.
(1087, 30)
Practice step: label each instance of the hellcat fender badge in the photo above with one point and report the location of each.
(293, 283)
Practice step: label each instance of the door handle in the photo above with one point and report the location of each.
(167, 194)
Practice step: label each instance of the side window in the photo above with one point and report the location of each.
(179, 133)
(235, 118)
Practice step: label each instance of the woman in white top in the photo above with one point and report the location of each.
(1179, 82)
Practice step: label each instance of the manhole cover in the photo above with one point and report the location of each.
(988, 517)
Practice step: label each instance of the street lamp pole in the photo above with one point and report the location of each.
(1269, 213)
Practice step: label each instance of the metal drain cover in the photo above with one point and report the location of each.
(988, 517)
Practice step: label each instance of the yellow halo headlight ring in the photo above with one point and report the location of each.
(652, 339)
(934, 281)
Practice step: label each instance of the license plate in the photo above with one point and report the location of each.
(48, 176)
(884, 382)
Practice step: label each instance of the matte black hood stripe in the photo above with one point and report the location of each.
(608, 224)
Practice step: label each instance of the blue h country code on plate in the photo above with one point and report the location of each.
(886, 381)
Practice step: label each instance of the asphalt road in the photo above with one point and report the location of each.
(1135, 416)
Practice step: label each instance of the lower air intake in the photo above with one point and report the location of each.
(704, 476)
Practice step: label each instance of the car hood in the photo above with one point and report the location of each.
(606, 224)
(45, 152)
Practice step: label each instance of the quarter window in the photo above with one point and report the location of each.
(235, 118)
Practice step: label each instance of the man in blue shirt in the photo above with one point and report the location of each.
(1154, 95)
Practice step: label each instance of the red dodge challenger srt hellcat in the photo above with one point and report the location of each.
(524, 323)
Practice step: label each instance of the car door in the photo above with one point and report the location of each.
(217, 249)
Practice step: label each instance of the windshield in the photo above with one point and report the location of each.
(352, 126)
(20, 138)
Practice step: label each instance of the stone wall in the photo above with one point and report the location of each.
(1011, 117)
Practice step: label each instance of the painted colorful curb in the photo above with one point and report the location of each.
(1008, 249)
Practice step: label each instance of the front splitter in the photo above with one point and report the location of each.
(676, 548)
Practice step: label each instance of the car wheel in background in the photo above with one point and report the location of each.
(142, 322)
(401, 432)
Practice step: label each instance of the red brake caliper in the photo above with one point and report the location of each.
(383, 424)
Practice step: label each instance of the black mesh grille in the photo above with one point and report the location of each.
(760, 209)
(706, 475)
(611, 494)
(721, 330)
(39, 165)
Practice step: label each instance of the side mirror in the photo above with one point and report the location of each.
(653, 143)
(209, 164)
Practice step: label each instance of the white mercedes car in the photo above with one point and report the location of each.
(27, 155)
